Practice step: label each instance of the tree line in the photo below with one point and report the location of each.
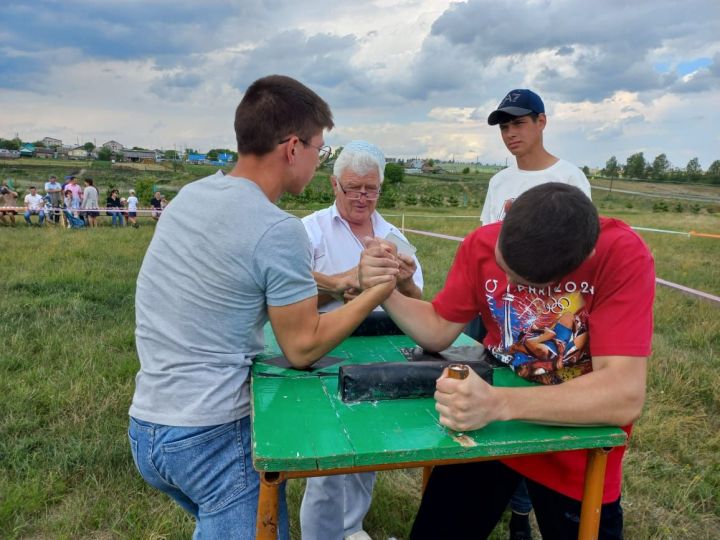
(661, 170)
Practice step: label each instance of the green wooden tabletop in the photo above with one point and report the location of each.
(301, 424)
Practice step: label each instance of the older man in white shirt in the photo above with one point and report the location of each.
(334, 507)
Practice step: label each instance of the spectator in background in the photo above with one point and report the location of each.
(74, 188)
(123, 205)
(8, 199)
(67, 205)
(132, 203)
(522, 120)
(156, 203)
(34, 205)
(114, 202)
(90, 203)
(54, 190)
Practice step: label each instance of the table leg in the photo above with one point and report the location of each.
(267, 514)
(593, 493)
(427, 471)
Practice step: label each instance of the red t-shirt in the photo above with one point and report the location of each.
(604, 308)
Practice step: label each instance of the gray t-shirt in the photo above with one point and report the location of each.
(221, 254)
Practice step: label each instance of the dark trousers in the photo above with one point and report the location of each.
(468, 500)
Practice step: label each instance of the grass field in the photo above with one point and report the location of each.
(67, 367)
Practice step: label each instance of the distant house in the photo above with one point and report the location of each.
(44, 153)
(413, 166)
(197, 159)
(77, 153)
(114, 146)
(49, 142)
(427, 168)
(225, 157)
(137, 156)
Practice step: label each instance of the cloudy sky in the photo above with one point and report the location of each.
(418, 77)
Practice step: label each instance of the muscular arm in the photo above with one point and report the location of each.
(419, 320)
(304, 335)
(612, 394)
(415, 317)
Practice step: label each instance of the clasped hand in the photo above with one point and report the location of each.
(466, 404)
(378, 263)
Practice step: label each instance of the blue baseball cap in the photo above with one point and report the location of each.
(518, 102)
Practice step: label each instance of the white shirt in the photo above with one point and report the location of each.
(132, 203)
(337, 249)
(34, 202)
(508, 184)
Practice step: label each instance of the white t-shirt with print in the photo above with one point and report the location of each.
(34, 202)
(508, 184)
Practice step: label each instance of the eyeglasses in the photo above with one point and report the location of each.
(355, 194)
(323, 151)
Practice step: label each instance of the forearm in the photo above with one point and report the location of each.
(409, 288)
(418, 319)
(604, 396)
(335, 284)
(305, 335)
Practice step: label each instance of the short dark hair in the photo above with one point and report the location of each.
(273, 108)
(89, 181)
(548, 232)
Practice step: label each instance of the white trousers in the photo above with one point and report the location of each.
(334, 507)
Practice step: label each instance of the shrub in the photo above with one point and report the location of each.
(660, 206)
(466, 170)
(678, 207)
(388, 198)
(695, 208)
(411, 199)
(394, 173)
(144, 189)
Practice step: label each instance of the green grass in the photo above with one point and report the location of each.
(68, 361)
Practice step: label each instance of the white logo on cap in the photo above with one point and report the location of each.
(511, 98)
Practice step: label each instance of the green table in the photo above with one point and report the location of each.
(301, 428)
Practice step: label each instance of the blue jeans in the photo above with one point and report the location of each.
(117, 219)
(40, 213)
(208, 471)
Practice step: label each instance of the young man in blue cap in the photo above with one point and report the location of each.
(521, 115)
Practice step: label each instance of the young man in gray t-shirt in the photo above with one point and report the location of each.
(222, 262)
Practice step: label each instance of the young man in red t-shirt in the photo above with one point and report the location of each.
(567, 298)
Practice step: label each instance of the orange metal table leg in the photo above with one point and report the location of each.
(427, 471)
(266, 527)
(592, 496)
